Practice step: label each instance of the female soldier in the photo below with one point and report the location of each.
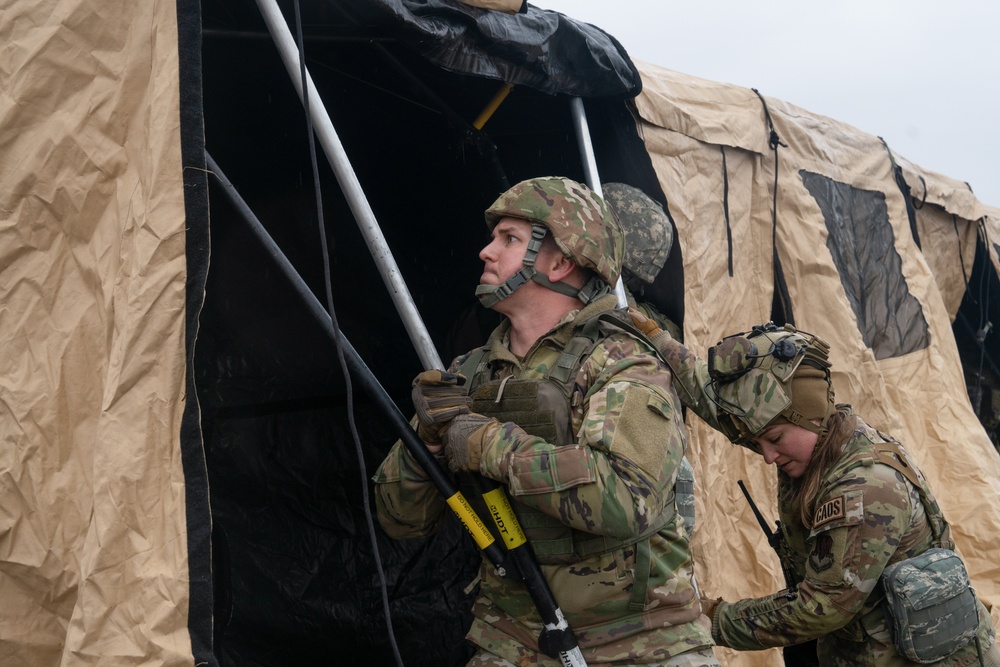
(852, 507)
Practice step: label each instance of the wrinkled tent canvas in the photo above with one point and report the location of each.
(178, 483)
(853, 271)
(96, 531)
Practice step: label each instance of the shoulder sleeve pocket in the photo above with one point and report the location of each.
(551, 471)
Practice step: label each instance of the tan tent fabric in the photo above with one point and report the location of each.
(716, 113)
(93, 536)
(947, 216)
(92, 269)
(917, 394)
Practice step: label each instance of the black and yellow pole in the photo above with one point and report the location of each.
(557, 639)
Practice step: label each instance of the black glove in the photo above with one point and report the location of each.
(438, 397)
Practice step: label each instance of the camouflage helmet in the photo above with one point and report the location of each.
(769, 374)
(649, 234)
(581, 223)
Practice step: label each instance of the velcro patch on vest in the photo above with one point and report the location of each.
(831, 510)
(821, 557)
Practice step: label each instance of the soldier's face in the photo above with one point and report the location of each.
(502, 257)
(788, 446)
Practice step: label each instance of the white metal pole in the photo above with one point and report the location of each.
(351, 187)
(590, 169)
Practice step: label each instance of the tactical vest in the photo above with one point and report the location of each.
(542, 407)
(890, 453)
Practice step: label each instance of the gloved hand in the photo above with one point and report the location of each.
(643, 323)
(708, 606)
(464, 441)
(438, 397)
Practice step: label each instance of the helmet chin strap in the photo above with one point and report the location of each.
(491, 295)
(794, 417)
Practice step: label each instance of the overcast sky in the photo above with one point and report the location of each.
(924, 75)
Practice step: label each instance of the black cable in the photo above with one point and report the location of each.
(328, 284)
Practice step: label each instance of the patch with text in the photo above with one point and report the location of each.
(835, 508)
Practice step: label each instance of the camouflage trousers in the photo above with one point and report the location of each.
(700, 658)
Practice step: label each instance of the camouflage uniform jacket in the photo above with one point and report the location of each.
(685, 485)
(613, 480)
(866, 516)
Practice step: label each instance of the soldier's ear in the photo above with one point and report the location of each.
(560, 267)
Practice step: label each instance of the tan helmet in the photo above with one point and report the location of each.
(580, 222)
(767, 374)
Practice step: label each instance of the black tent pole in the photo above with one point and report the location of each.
(361, 371)
(557, 639)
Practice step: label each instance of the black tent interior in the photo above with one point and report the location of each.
(296, 579)
(295, 575)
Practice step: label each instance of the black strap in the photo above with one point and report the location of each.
(923, 200)
(904, 188)
(725, 208)
(779, 275)
(958, 239)
(984, 299)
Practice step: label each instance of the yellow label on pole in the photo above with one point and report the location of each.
(504, 518)
(461, 507)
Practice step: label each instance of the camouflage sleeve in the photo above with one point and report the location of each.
(616, 479)
(857, 524)
(407, 503)
(690, 376)
(662, 321)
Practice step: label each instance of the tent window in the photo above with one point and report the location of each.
(891, 320)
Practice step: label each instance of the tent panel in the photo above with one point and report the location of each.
(946, 213)
(948, 243)
(715, 113)
(991, 229)
(93, 360)
(928, 187)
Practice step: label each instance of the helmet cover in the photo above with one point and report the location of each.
(579, 221)
(756, 376)
(649, 233)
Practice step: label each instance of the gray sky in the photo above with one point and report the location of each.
(924, 75)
